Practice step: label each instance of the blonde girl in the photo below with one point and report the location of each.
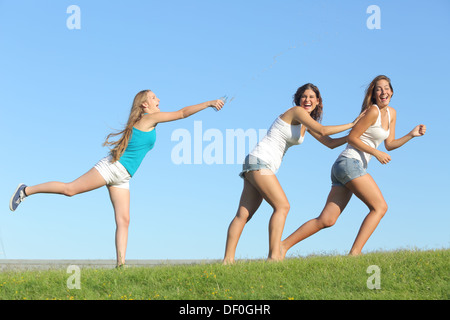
(120, 165)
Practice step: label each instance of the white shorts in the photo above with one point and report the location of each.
(114, 174)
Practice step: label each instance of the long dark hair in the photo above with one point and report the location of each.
(317, 112)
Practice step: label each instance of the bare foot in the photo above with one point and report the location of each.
(273, 259)
(227, 261)
(276, 257)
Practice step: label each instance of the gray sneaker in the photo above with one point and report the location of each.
(18, 197)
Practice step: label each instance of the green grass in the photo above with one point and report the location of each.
(404, 275)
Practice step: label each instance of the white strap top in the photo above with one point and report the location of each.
(280, 137)
(373, 137)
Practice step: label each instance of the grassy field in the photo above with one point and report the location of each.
(402, 275)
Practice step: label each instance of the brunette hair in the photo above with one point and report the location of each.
(316, 114)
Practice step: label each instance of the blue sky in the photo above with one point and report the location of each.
(63, 90)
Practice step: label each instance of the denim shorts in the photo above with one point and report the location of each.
(252, 163)
(345, 170)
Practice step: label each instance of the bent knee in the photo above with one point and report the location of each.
(326, 222)
(283, 207)
(243, 215)
(381, 209)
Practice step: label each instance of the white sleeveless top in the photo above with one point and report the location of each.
(280, 137)
(373, 137)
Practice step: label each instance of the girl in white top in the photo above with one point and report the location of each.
(349, 174)
(260, 165)
(280, 137)
(373, 137)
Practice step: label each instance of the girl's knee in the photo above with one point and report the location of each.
(326, 222)
(123, 221)
(244, 213)
(283, 208)
(380, 209)
(385, 207)
(243, 217)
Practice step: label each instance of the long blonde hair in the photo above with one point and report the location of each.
(136, 113)
(369, 98)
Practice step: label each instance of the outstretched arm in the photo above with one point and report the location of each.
(328, 141)
(391, 143)
(158, 117)
(302, 116)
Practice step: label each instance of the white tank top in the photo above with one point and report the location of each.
(280, 137)
(373, 137)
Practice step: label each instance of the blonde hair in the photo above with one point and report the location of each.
(136, 113)
(369, 98)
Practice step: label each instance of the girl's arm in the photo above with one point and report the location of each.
(363, 124)
(302, 116)
(158, 117)
(334, 142)
(391, 143)
(328, 141)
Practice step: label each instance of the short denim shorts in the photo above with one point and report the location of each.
(345, 170)
(252, 163)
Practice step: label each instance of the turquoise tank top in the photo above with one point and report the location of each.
(140, 143)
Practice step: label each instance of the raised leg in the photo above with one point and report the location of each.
(89, 181)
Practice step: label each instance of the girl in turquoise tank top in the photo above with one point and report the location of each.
(115, 170)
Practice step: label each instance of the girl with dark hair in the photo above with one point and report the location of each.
(348, 174)
(263, 162)
(115, 170)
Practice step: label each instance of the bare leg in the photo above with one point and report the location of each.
(268, 186)
(249, 203)
(367, 190)
(120, 199)
(337, 200)
(89, 181)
